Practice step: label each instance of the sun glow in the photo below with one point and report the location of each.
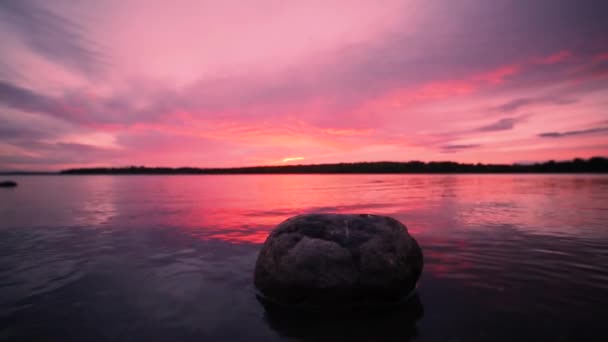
(290, 159)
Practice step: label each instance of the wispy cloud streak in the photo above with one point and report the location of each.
(574, 133)
(53, 36)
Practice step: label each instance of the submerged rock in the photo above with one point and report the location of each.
(335, 261)
(8, 184)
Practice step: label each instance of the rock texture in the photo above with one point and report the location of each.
(338, 261)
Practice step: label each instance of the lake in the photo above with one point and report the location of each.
(170, 258)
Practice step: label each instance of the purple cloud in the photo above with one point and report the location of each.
(458, 147)
(573, 133)
(53, 36)
(516, 104)
(500, 125)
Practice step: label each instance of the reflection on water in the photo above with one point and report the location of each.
(396, 324)
(171, 257)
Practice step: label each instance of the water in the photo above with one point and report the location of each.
(170, 258)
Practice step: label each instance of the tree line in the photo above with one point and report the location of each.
(578, 165)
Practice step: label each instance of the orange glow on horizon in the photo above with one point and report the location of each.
(290, 159)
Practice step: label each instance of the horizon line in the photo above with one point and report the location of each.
(290, 166)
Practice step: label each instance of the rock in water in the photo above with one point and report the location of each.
(335, 261)
(8, 184)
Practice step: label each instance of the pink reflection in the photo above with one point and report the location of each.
(446, 265)
(484, 231)
(245, 208)
(258, 236)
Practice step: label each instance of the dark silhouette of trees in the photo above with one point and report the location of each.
(592, 165)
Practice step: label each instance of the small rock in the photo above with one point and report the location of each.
(8, 184)
(337, 261)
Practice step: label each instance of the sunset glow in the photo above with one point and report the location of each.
(287, 160)
(233, 83)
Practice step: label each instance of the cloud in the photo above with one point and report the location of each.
(504, 124)
(19, 133)
(516, 104)
(458, 147)
(80, 108)
(573, 133)
(555, 58)
(23, 99)
(55, 154)
(350, 76)
(50, 35)
(444, 139)
(27, 100)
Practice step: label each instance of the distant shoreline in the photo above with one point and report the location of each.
(592, 165)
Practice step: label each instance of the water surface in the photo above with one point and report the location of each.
(168, 258)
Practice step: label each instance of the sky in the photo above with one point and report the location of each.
(271, 82)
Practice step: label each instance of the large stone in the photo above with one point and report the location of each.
(338, 261)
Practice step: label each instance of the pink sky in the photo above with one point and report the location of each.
(232, 83)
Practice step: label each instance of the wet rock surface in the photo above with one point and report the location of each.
(338, 261)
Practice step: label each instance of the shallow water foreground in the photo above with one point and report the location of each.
(166, 258)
